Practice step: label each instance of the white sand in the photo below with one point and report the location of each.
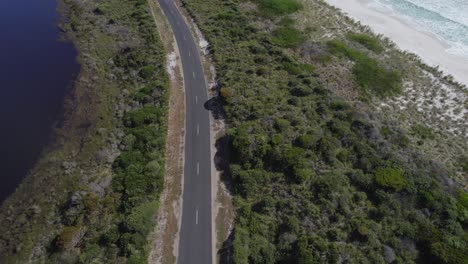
(384, 21)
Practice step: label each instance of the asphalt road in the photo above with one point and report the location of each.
(195, 245)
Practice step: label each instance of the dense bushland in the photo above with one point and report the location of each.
(314, 179)
(133, 197)
(139, 170)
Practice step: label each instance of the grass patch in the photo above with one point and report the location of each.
(367, 41)
(422, 131)
(367, 71)
(287, 37)
(372, 77)
(272, 8)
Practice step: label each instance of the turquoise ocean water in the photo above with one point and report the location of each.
(446, 19)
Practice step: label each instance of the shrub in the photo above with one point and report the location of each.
(281, 124)
(143, 116)
(306, 141)
(302, 174)
(340, 48)
(67, 237)
(292, 68)
(141, 218)
(279, 7)
(371, 76)
(147, 71)
(227, 92)
(287, 37)
(390, 178)
(422, 131)
(462, 198)
(368, 41)
(367, 71)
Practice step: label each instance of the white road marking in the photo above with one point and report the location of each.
(198, 168)
(189, 54)
(186, 39)
(198, 129)
(196, 217)
(193, 75)
(196, 99)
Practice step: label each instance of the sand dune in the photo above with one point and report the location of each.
(384, 21)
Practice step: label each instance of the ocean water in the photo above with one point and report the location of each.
(446, 19)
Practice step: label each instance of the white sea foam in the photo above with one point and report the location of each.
(446, 19)
(455, 10)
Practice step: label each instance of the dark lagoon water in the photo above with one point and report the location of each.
(36, 71)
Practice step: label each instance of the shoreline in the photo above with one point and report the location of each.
(427, 46)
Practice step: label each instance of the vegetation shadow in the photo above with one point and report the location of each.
(221, 161)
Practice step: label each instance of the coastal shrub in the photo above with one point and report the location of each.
(147, 71)
(288, 37)
(143, 116)
(463, 163)
(279, 7)
(340, 48)
(391, 178)
(65, 239)
(367, 71)
(422, 131)
(368, 41)
(292, 68)
(372, 77)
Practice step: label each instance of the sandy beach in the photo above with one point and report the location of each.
(384, 21)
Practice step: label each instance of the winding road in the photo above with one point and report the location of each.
(195, 245)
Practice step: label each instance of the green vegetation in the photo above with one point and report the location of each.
(369, 42)
(287, 37)
(314, 179)
(391, 178)
(279, 7)
(422, 131)
(97, 190)
(139, 170)
(368, 73)
(464, 165)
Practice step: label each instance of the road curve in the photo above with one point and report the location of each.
(195, 245)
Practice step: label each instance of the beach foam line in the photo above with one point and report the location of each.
(388, 23)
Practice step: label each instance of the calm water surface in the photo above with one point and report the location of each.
(36, 71)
